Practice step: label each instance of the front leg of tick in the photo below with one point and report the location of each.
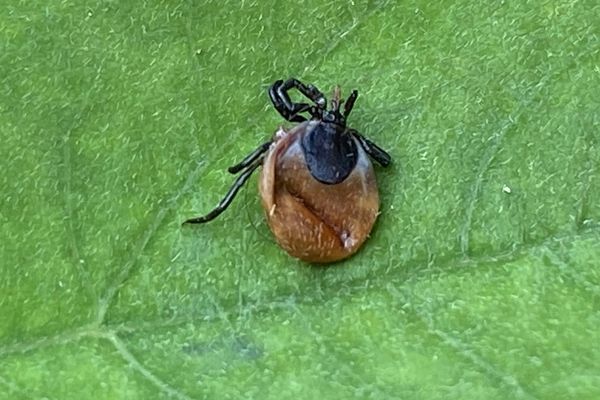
(278, 92)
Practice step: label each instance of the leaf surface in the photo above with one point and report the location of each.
(481, 278)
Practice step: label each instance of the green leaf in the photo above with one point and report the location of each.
(481, 278)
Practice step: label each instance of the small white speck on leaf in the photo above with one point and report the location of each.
(506, 189)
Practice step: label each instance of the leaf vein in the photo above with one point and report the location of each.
(125, 271)
(145, 372)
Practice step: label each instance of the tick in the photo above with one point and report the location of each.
(317, 184)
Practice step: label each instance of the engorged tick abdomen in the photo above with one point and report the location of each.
(314, 221)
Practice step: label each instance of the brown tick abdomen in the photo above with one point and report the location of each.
(313, 221)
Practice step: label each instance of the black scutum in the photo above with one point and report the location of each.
(330, 153)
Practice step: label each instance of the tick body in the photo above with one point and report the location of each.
(317, 183)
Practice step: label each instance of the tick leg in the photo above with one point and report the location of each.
(278, 92)
(350, 103)
(250, 158)
(223, 204)
(376, 152)
(314, 94)
(283, 104)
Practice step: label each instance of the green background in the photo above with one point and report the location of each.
(481, 278)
